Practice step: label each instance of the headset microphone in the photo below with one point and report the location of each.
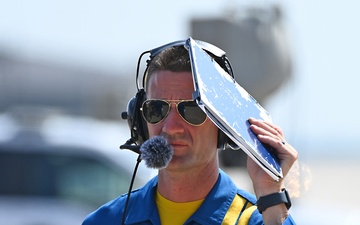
(156, 152)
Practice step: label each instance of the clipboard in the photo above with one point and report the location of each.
(230, 106)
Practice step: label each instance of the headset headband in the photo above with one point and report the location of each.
(214, 51)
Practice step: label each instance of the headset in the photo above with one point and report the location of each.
(136, 122)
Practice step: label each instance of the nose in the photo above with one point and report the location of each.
(173, 123)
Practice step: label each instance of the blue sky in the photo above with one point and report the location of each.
(319, 104)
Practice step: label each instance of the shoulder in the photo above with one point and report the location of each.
(251, 214)
(111, 212)
(107, 213)
(245, 203)
(227, 183)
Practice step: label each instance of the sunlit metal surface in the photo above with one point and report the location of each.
(230, 106)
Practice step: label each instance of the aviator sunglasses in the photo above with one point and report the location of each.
(156, 110)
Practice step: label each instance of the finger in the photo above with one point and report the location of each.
(263, 127)
(267, 126)
(270, 134)
(273, 141)
(274, 127)
(262, 131)
(285, 152)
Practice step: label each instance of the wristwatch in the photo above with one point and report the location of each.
(266, 201)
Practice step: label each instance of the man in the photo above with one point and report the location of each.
(192, 189)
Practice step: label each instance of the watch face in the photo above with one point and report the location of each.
(288, 204)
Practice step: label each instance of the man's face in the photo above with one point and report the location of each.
(194, 146)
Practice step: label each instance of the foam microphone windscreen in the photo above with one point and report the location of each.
(156, 152)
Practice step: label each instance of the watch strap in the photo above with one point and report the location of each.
(267, 201)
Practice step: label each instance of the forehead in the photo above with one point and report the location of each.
(166, 84)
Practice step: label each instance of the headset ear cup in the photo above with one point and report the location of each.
(143, 129)
(137, 124)
(225, 142)
(222, 140)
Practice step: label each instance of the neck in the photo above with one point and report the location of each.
(187, 186)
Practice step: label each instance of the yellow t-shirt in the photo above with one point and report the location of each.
(174, 213)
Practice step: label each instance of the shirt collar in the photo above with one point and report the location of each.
(216, 203)
(212, 211)
(143, 207)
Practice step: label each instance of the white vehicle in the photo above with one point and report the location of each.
(63, 170)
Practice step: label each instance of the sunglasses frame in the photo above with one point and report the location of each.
(170, 102)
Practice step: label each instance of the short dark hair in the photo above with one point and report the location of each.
(175, 59)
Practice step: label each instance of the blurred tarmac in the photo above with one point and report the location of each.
(328, 191)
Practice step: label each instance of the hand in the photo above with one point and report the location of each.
(272, 135)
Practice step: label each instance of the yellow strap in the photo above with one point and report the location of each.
(234, 211)
(244, 219)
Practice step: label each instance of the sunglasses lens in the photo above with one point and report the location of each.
(191, 112)
(155, 110)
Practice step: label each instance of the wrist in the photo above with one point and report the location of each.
(273, 199)
(267, 188)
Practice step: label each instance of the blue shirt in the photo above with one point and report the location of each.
(142, 207)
